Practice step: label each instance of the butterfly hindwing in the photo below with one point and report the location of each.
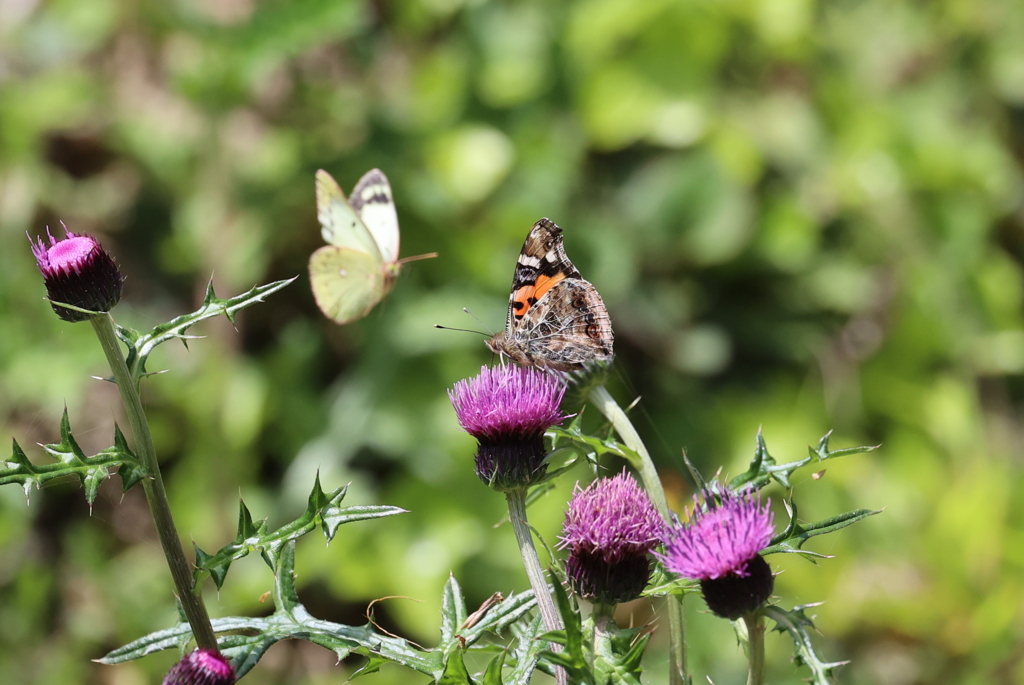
(568, 327)
(346, 283)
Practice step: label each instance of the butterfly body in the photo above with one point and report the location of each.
(556, 319)
(359, 265)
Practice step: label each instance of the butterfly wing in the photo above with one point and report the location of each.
(542, 264)
(340, 222)
(556, 319)
(346, 282)
(567, 327)
(373, 201)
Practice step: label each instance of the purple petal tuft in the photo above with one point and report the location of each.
(201, 667)
(721, 540)
(612, 518)
(508, 401)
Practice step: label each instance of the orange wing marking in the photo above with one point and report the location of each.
(528, 295)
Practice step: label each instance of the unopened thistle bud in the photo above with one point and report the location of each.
(508, 409)
(609, 529)
(721, 548)
(201, 667)
(77, 271)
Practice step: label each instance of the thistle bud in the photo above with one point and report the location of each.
(77, 271)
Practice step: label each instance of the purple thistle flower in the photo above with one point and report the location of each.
(201, 667)
(721, 547)
(612, 517)
(508, 409)
(610, 527)
(77, 271)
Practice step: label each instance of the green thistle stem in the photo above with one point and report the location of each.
(156, 495)
(545, 602)
(606, 404)
(604, 625)
(755, 647)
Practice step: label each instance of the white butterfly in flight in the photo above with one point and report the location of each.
(360, 263)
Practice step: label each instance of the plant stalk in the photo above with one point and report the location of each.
(545, 602)
(156, 494)
(599, 396)
(755, 647)
(603, 617)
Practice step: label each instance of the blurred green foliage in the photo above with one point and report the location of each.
(802, 215)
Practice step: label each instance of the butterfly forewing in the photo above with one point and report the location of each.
(373, 201)
(340, 223)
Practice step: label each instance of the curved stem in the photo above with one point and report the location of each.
(156, 495)
(755, 647)
(606, 404)
(545, 603)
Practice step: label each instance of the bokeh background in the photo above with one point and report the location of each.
(804, 216)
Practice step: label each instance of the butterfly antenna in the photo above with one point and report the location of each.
(462, 330)
(416, 258)
(489, 331)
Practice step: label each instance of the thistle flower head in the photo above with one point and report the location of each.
(508, 409)
(77, 271)
(613, 518)
(721, 548)
(201, 667)
(610, 527)
(507, 400)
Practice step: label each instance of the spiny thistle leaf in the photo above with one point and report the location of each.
(797, 624)
(492, 676)
(455, 671)
(662, 583)
(140, 346)
(460, 630)
(608, 671)
(617, 655)
(72, 461)
(453, 612)
(333, 516)
(822, 452)
(322, 509)
(131, 472)
(291, 620)
(763, 468)
(800, 533)
(592, 446)
(527, 650)
(759, 472)
(496, 618)
(573, 658)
